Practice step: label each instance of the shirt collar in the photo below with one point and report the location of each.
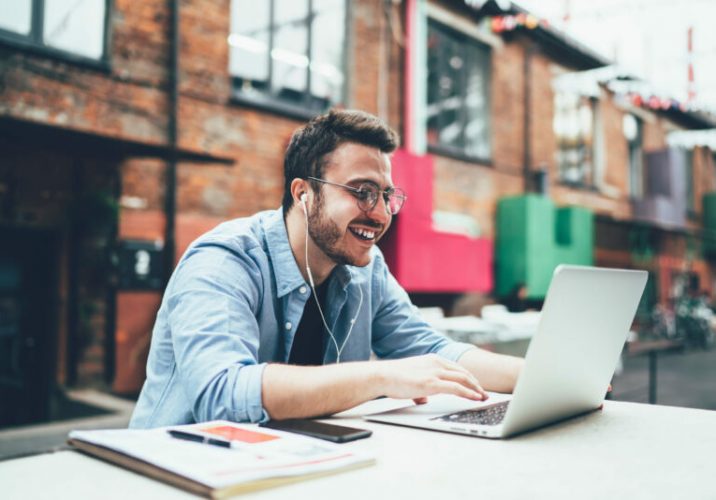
(287, 274)
(343, 275)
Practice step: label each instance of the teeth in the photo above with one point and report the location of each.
(369, 235)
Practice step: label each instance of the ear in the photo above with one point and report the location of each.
(299, 190)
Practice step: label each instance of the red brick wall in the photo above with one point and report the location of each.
(543, 143)
(507, 108)
(655, 129)
(127, 102)
(616, 173)
(130, 101)
(209, 121)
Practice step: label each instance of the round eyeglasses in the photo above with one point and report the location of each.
(367, 195)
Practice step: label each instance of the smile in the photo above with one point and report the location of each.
(363, 234)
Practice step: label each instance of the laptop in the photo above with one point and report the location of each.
(569, 364)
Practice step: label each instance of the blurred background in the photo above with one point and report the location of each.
(533, 133)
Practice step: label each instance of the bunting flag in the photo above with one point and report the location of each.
(655, 102)
(507, 23)
(500, 24)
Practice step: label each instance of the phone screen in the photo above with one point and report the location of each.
(329, 432)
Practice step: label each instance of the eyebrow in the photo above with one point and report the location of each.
(369, 181)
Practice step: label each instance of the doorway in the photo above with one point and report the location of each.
(28, 319)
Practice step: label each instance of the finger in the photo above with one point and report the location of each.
(447, 387)
(457, 369)
(461, 378)
(421, 400)
(466, 379)
(609, 389)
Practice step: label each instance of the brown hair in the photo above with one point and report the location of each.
(310, 145)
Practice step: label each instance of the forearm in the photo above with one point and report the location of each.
(496, 372)
(308, 391)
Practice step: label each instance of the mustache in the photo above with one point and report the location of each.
(369, 223)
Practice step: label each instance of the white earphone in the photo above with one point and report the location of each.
(303, 198)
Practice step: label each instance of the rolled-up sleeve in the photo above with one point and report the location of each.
(215, 334)
(400, 331)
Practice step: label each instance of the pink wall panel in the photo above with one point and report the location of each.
(422, 258)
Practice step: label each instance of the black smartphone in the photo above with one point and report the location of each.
(329, 432)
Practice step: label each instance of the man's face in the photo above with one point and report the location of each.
(336, 224)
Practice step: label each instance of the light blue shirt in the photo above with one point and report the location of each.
(233, 305)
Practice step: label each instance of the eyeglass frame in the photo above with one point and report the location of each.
(387, 193)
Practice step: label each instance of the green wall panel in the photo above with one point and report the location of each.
(534, 237)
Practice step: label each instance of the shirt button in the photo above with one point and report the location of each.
(288, 325)
(302, 289)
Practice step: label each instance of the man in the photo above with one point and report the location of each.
(259, 310)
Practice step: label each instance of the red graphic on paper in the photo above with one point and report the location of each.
(236, 434)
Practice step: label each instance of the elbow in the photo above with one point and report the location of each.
(233, 394)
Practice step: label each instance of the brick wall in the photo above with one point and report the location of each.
(543, 143)
(130, 101)
(507, 108)
(256, 139)
(616, 176)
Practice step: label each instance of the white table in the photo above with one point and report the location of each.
(628, 450)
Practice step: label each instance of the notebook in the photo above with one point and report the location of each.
(234, 458)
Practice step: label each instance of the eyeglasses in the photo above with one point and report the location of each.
(367, 195)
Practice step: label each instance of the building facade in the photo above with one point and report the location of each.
(129, 128)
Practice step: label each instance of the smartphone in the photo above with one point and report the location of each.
(313, 428)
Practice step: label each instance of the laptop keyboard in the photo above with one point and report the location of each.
(485, 416)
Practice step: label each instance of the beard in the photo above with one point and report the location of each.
(326, 235)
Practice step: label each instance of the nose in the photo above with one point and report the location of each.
(380, 212)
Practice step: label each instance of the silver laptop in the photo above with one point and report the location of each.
(569, 364)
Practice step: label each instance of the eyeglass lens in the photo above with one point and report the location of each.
(369, 197)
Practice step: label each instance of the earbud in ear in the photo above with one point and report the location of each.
(303, 198)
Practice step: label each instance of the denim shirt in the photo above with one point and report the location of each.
(233, 305)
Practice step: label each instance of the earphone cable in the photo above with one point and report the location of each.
(315, 296)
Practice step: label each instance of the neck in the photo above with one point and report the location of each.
(321, 265)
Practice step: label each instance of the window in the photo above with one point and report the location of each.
(574, 127)
(77, 28)
(689, 180)
(458, 115)
(633, 133)
(288, 52)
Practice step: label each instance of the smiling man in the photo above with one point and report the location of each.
(276, 315)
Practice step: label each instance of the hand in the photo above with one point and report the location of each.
(421, 376)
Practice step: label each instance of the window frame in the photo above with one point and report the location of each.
(690, 182)
(464, 41)
(588, 182)
(267, 101)
(33, 41)
(633, 146)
